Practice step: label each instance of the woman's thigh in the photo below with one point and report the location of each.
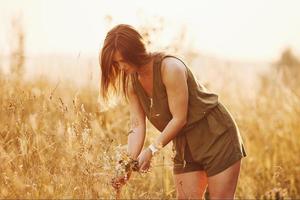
(190, 184)
(223, 184)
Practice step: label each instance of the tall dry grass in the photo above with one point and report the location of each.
(56, 142)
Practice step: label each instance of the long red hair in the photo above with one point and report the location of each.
(125, 39)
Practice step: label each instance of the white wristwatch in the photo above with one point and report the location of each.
(153, 149)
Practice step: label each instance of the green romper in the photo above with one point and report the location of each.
(210, 140)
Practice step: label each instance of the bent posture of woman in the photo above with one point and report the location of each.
(162, 88)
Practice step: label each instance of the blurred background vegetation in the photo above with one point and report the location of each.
(58, 139)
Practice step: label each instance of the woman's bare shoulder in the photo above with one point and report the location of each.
(171, 65)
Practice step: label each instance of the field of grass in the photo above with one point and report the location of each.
(57, 141)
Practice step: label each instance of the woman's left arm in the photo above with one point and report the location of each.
(174, 77)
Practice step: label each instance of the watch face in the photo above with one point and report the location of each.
(153, 149)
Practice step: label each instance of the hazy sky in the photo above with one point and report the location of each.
(233, 29)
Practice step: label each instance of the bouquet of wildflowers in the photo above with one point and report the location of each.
(125, 165)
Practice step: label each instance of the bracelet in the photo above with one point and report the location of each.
(153, 149)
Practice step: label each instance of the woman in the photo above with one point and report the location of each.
(162, 88)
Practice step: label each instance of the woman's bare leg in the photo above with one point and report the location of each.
(223, 184)
(190, 185)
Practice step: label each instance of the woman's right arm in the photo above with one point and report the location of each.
(137, 133)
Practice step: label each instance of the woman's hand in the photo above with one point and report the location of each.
(144, 159)
(118, 182)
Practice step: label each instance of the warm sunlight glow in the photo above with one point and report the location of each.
(252, 30)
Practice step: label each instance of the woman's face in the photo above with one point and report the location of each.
(121, 64)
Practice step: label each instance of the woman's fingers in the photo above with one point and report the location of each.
(143, 162)
(140, 163)
(145, 166)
